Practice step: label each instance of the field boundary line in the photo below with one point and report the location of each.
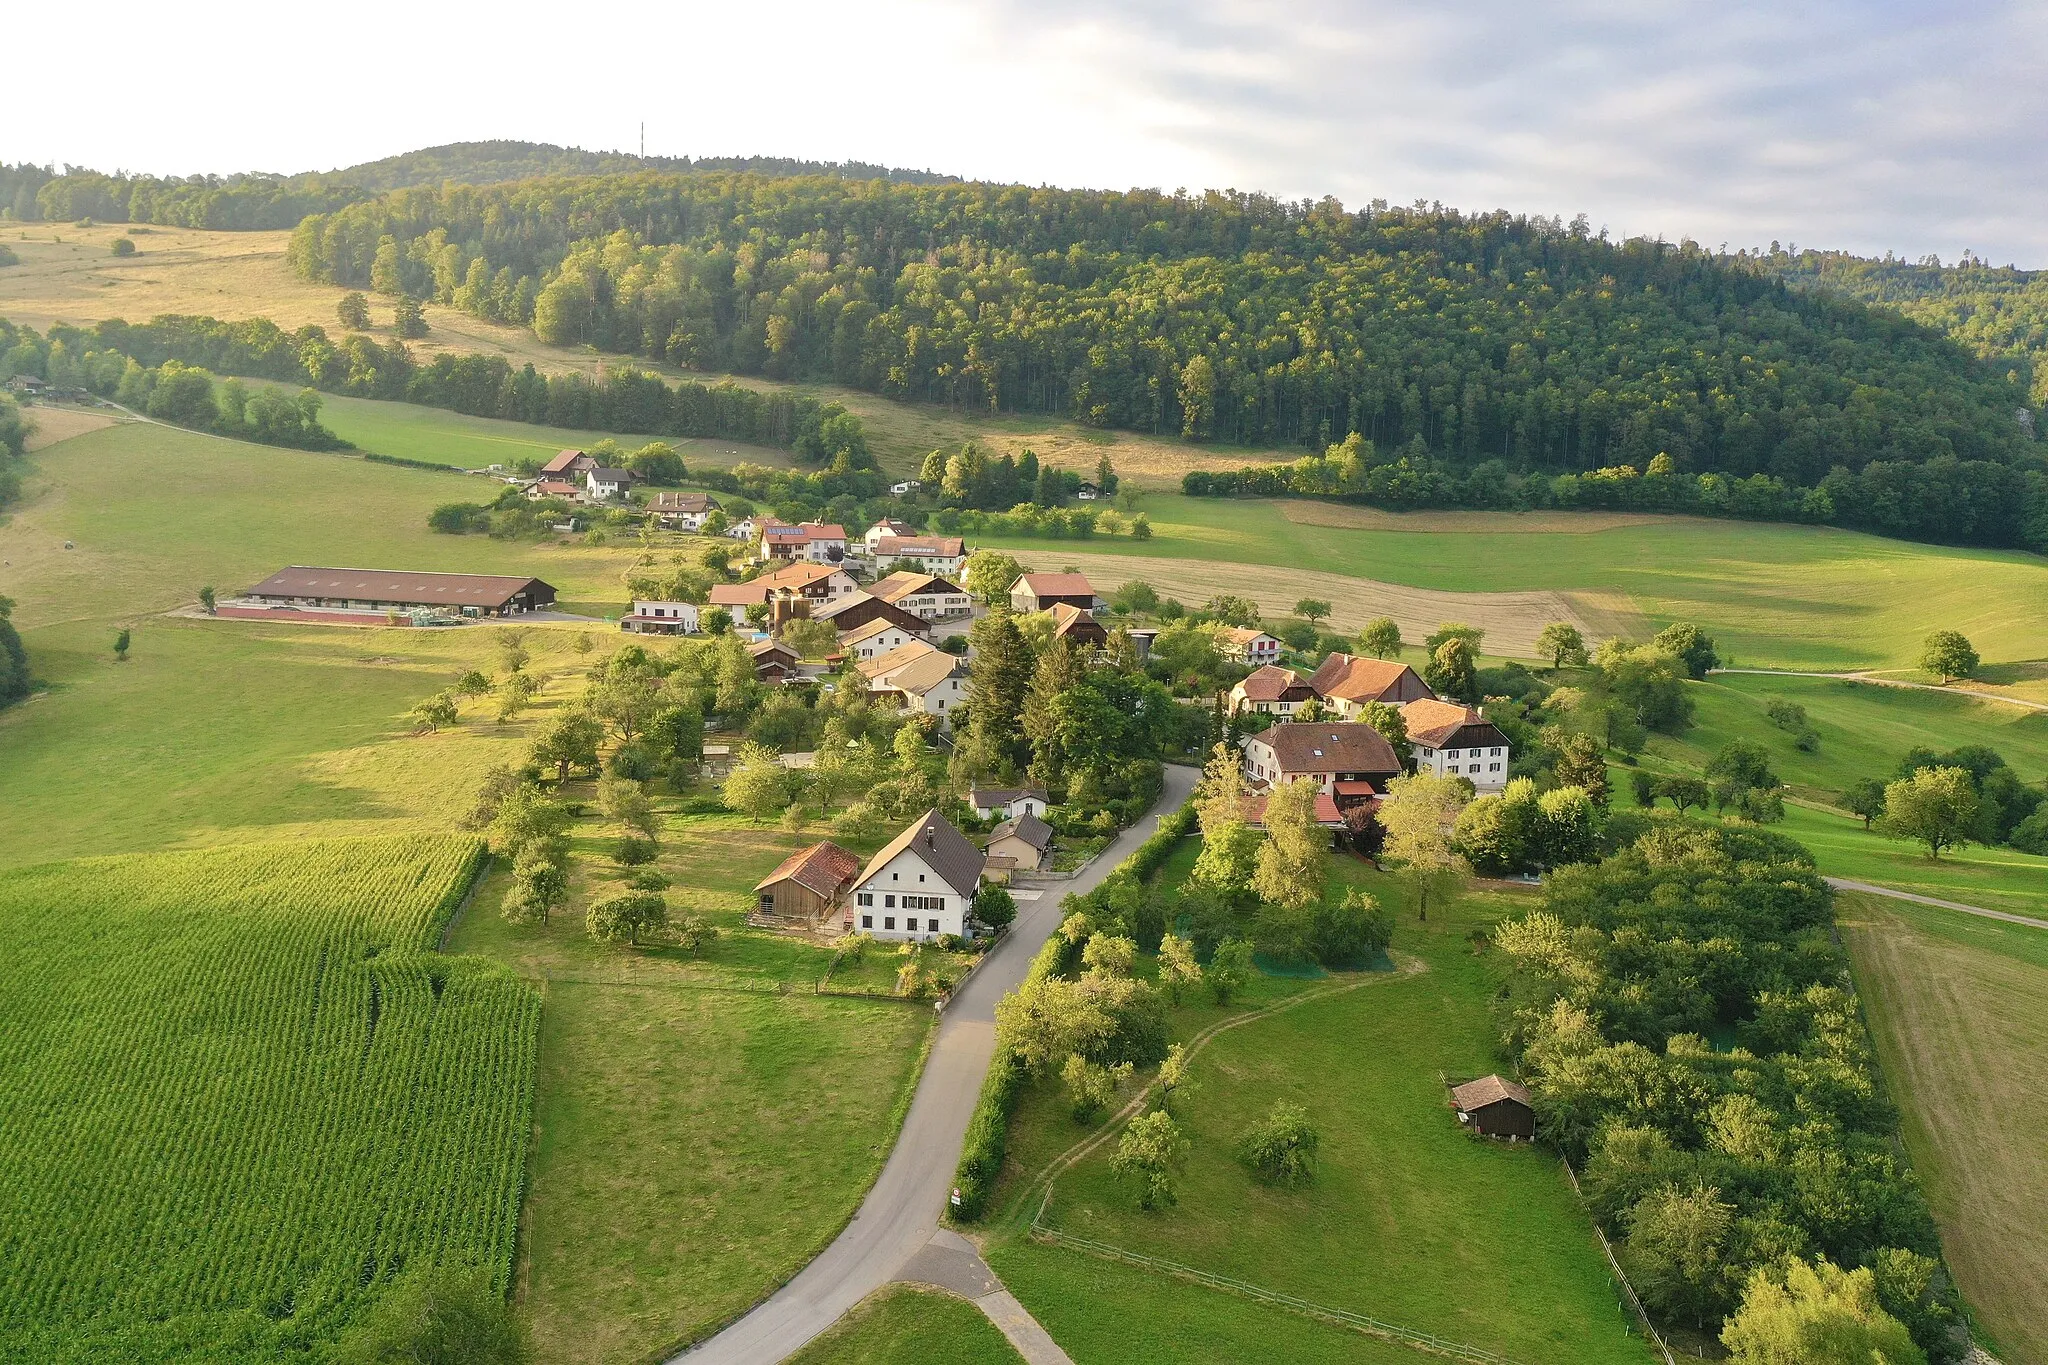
(1628, 1290)
(1340, 1317)
(1866, 678)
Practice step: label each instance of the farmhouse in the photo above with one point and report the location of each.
(466, 594)
(569, 464)
(1010, 802)
(858, 609)
(1452, 738)
(553, 488)
(660, 618)
(1025, 843)
(1272, 690)
(924, 595)
(1042, 591)
(809, 885)
(888, 528)
(921, 678)
(749, 528)
(920, 885)
(608, 483)
(933, 554)
(815, 583)
(814, 542)
(1243, 646)
(774, 661)
(1348, 682)
(685, 511)
(1077, 627)
(875, 639)
(1495, 1108)
(1352, 763)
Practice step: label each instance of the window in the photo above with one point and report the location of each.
(866, 898)
(767, 902)
(867, 921)
(1493, 767)
(894, 876)
(932, 925)
(1473, 769)
(888, 921)
(920, 876)
(1494, 752)
(889, 901)
(1450, 753)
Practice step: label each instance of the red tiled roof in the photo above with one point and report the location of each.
(1271, 682)
(824, 868)
(1487, 1090)
(1254, 808)
(738, 594)
(561, 462)
(1055, 585)
(1436, 724)
(911, 583)
(1347, 677)
(1327, 747)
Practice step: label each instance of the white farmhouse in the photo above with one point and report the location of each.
(660, 618)
(1456, 740)
(921, 884)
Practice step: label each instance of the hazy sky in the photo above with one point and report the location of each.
(1878, 125)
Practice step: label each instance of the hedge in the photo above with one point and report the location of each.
(988, 1132)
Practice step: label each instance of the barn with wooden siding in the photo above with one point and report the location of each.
(1494, 1107)
(809, 884)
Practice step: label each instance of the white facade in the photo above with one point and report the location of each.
(906, 900)
(1486, 767)
(608, 486)
(660, 613)
(1020, 803)
(936, 606)
(883, 641)
(942, 698)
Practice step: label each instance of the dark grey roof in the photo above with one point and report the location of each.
(987, 798)
(603, 475)
(1487, 1090)
(945, 849)
(1027, 827)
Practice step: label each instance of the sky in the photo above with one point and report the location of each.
(1874, 126)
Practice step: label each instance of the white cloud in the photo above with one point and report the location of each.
(1872, 126)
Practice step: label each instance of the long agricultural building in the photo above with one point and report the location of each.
(462, 594)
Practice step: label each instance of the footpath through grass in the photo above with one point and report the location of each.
(1959, 1010)
(704, 1125)
(1409, 1220)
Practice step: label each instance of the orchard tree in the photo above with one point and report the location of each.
(625, 801)
(206, 600)
(1280, 1149)
(1935, 806)
(624, 918)
(1452, 670)
(435, 712)
(1229, 970)
(122, 637)
(1151, 1153)
(758, 786)
(1289, 872)
(514, 692)
(1313, 609)
(1693, 650)
(527, 821)
(1174, 1083)
(1949, 655)
(1562, 644)
(511, 642)
(1417, 814)
(1381, 638)
(1233, 610)
(989, 574)
(1684, 792)
(1864, 797)
(568, 740)
(1178, 970)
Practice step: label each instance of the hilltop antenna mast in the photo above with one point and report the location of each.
(643, 139)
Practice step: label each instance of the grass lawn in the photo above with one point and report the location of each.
(1996, 878)
(911, 1325)
(413, 432)
(703, 1124)
(1771, 595)
(1959, 1009)
(1391, 1226)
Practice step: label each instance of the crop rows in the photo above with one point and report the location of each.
(238, 1091)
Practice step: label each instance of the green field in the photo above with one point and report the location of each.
(910, 1325)
(1864, 731)
(441, 437)
(704, 1125)
(1771, 595)
(243, 1093)
(1409, 1220)
(1959, 1010)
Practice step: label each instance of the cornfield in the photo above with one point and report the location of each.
(239, 1090)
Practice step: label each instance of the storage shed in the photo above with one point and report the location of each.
(1495, 1107)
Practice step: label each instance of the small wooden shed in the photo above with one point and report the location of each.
(1494, 1107)
(809, 885)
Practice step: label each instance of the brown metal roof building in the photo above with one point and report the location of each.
(467, 594)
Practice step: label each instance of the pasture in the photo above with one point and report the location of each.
(1409, 1219)
(911, 1325)
(1959, 1010)
(1771, 595)
(239, 1092)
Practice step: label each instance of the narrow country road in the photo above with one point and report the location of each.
(1865, 677)
(901, 1212)
(1844, 884)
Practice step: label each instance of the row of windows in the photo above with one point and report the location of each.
(909, 902)
(909, 923)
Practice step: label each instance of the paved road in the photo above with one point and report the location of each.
(902, 1211)
(1844, 884)
(1890, 682)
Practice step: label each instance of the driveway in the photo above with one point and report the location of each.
(901, 1212)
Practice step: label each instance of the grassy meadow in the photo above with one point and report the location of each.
(1388, 1227)
(1959, 1010)
(911, 1325)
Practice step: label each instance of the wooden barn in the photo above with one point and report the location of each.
(810, 884)
(1494, 1107)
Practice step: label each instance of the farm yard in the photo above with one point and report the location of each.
(245, 1093)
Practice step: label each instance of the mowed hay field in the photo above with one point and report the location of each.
(1772, 596)
(239, 1092)
(1959, 1010)
(438, 436)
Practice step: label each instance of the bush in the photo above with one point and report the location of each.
(1353, 933)
(633, 851)
(648, 881)
(436, 1316)
(981, 1156)
(623, 918)
(994, 907)
(124, 247)
(1280, 1149)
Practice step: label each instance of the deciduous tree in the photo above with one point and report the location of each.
(1417, 813)
(1935, 806)
(1561, 643)
(1816, 1313)
(758, 786)
(1289, 871)
(1150, 1154)
(1381, 638)
(1949, 655)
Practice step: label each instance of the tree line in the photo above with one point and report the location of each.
(1221, 316)
(1944, 499)
(621, 398)
(237, 202)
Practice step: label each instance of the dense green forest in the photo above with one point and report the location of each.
(1999, 312)
(1225, 317)
(261, 201)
